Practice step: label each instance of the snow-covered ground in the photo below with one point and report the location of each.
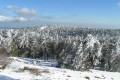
(27, 69)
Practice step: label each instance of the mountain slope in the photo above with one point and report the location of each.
(73, 47)
(23, 69)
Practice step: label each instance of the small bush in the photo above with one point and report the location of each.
(87, 77)
(3, 58)
(4, 66)
(97, 77)
(35, 71)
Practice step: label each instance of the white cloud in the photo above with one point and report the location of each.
(21, 19)
(10, 7)
(26, 12)
(5, 18)
(19, 14)
(11, 18)
(22, 11)
(23, 14)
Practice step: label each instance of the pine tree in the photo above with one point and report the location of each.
(14, 49)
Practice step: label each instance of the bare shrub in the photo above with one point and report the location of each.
(87, 77)
(35, 71)
(97, 77)
(4, 66)
(3, 58)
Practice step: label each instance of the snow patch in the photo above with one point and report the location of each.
(10, 73)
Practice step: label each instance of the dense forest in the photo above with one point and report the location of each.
(73, 47)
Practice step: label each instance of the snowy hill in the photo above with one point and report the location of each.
(24, 69)
(74, 48)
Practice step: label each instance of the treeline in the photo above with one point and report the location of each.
(74, 47)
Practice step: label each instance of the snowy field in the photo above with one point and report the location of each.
(26, 69)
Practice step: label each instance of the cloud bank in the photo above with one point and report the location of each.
(5, 18)
(22, 14)
(26, 12)
(18, 14)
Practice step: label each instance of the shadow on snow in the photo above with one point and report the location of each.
(2, 77)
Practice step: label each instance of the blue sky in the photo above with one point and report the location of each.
(103, 12)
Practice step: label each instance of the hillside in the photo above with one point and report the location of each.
(74, 48)
(24, 69)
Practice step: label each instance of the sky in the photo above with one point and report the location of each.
(37, 12)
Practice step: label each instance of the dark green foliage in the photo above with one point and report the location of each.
(50, 49)
(14, 49)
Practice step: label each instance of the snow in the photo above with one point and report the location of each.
(48, 72)
(42, 28)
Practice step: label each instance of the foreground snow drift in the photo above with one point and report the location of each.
(24, 69)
